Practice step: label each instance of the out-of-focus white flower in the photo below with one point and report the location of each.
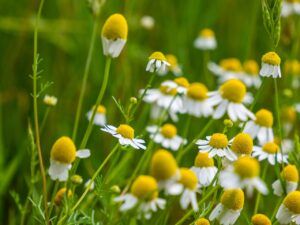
(206, 40)
(50, 100)
(250, 74)
(100, 116)
(147, 22)
(269, 151)
(289, 210)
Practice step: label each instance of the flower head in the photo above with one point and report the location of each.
(100, 116)
(270, 65)
(188, 178)
(206, 40)
(157, 62)
(264, 118)
(50, 100)
(260, 219)
(233, 199)
(251, 67)
(289, 210)
(202, 221)
(145, 187)
(269, 151)
(147, 22)
(231, 64)
(233, 91)
(242, 144)
(174, 67)
(59, 196)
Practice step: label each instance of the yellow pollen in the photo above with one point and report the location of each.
(288, 114)
(233, 90)
(218, 140)
(264, 118)
(242, 144)
(202, 221)
(126, 131)
(145, 187)
(246, 167)
(163, 165)
(251, 67)
(271, 58)
(172, 60)
(59, 196)
(260, 219)
(207, 33)
(63, 150)
(270, 148)
(158, 56)
(290, 173)
(188, 178)
(292, 67)
(168, 130)
(292, 201)
(197, 91)
(101, 109)
(115, 27)
(181, 81)
(231, 64)
(203, 160)
(233, 199)
(167, 90)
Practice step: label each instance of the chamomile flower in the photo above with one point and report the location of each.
(260, 219)
(174, 67)
(270, 65)
(269, 151)
(147, 22)
(242, 144)
(144, 195)
(62, 155)
(114, 35)
(261, 127)
(289, 210)
(229, 98)
(164, 169)
(189, 181)
(288, 117)
(196, 101)
(166, 135)
(181, 84)
(205, 169)
(230, 207)
(60, 195)
(50, 100)
(290, 175)
(250, 74)
(216, 145)
(202, 221)
(292, 69)
(100, 116)
(206, 40)
(157, 63)
(125, 134)
(243, 173)
(290, 7)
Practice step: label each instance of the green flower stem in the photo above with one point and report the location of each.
(258, 194)
(98, 102)
(44, 120)
(276, 209)
(56, 185)
(85, 77)
(188, 147)
(185, 131)
(207, 77)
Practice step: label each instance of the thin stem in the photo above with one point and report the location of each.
(258, 194)
(98, 101)
(44, 120)
(85, 78)
(35, 109)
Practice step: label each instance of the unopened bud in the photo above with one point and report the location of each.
(115, 189)
(76, 179)
(133, 100)
(228, 123)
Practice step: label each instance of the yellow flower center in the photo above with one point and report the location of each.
(203, 160)
(167, 90)
(251, 67)
(168, 130)
(242, 144)
(233, 199)
(292, 201)
(188, 178)
(271, 58)
(264, 118)
(218, 140)
(163, 165)
(181, 81)
(288, 114)
(197, 91)
(270, 148)
(63, 150)
(233, 90)
(145, 187)
(231, 64)
(172, 60)
(59, 196)
(202, 221)
(101, 109)
(246, 167)
(115, 27)
(292, 67)
(206, 33)
(158, 56)
(260, 219)
(290, 173)
(126, 131)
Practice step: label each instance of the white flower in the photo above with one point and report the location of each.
(206, 40)
(63, 154)
(217, 144)
(269, 151)
(174, 67)
(204, 169)
(290, 8)
(261, 127)
(229, 98)
(125, 134)
(92, 185)
(147, 22)
(157, 62)
(250, 74)
(100, 116)
(50, 100)
(289, 210)
(114, 35)
(270, 66)
(244, 173)
(166, 136)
